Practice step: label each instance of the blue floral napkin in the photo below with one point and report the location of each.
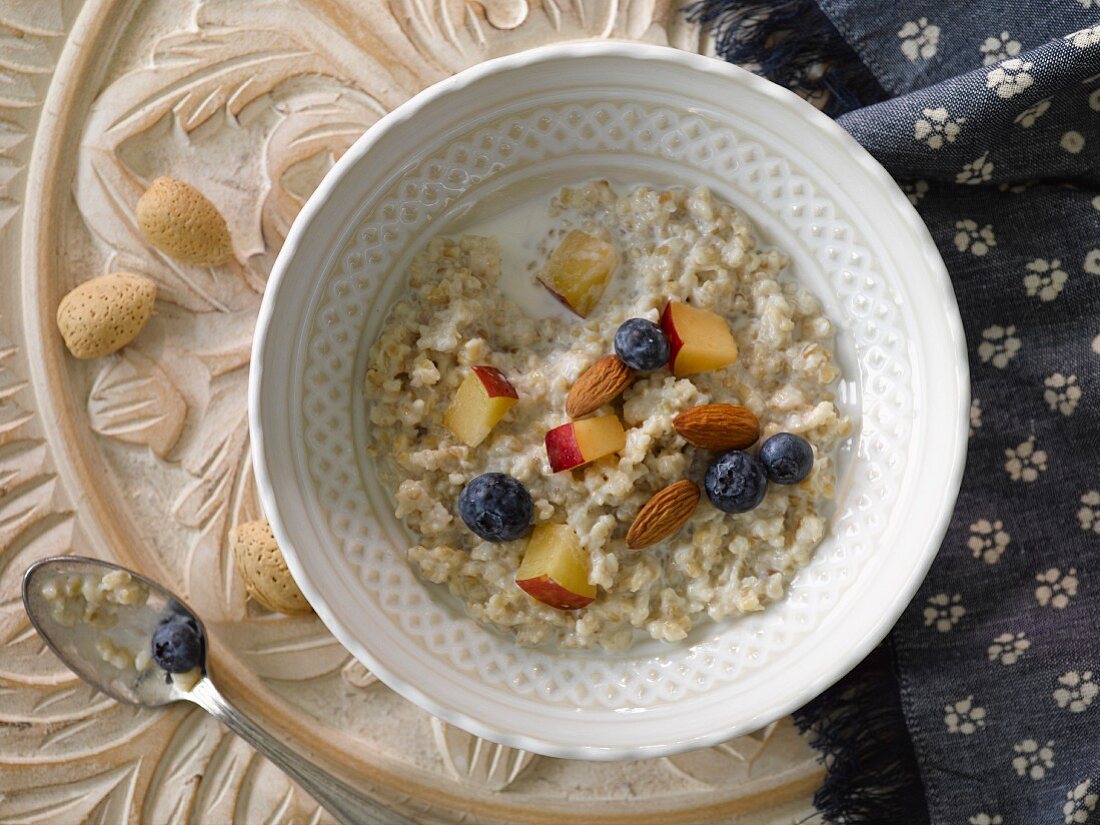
(984, 705)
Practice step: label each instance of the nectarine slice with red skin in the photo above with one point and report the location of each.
(699, 340)
(555, 568)
(578, 271)
(483, 398)
(579, 442)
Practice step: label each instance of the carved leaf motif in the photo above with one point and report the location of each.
(11, 414)
(16, 90)
(104, 797)
(25, 54)
(132, 400)
(223, 67)
(170, 797)
(216, 462)
(288, 649)
(29, 530)
(23, 659)
(195, 76)
(53, 705)
(476, 761)
(268, 796)
(11, 135)
(315, 131)
(731, 760)
(42, 17)
(220, 786)
(77, 738)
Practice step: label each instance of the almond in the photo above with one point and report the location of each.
(598, 385)
(105, 314)
(263, 568)
(718, 426)
(664, 514)
(177, 219)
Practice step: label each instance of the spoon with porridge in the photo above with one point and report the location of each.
(136, 642)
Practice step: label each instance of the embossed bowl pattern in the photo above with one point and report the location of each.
(565, 114)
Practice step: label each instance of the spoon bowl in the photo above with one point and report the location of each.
(103, 630)
(79, 643)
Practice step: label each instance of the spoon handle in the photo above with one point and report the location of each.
(345, 803)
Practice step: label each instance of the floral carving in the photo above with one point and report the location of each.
(251, 102)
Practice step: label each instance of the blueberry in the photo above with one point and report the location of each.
(641, 345)
(736, 482)
(496, 507)
(787, 458)
(177, 646)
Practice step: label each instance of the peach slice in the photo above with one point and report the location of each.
(483, 398)
(700, 340)
(555, 568)
(578, 271)
(580, 442)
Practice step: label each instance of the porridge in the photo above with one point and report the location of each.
(594, 462)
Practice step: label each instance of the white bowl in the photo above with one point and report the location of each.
(648, 114)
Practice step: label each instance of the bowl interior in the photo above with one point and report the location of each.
(535, 122)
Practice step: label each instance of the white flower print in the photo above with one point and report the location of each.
(998, 346)
(944, 611)
(1094, 100)
(919, 39)
(1077, 691)
(1079, 803)
(1056, 589)
(1032, 113)
(964, 716)
(937, 127)
(1010, 78)
(1024, 462)
(1092, 262)
(970, 238)
(918, 189)
(1096, 203)
(1045, 279)
(988, 540)
(977, 171)
(1083, 39)
(1088, 4)
(986, 819)
(1033, 760)
(1062, 393)
(999, 48)
(1072, 142)
(975, 415)
(1089, 514)
(1008, 649)
(1096, 344)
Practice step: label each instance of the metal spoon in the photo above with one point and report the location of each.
(132, 627)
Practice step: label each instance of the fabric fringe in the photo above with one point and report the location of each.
(794, 44)
(871, 768)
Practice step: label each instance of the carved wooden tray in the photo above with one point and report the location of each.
(143, 456)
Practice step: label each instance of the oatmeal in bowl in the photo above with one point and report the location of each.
(657, 454)
(613, 454)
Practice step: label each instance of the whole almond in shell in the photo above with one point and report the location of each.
(598, 385)
(263, 568)
(718, 426)
(665, 513)
(105, 314)
(177, 219)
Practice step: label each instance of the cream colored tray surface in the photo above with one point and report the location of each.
(144, 457)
